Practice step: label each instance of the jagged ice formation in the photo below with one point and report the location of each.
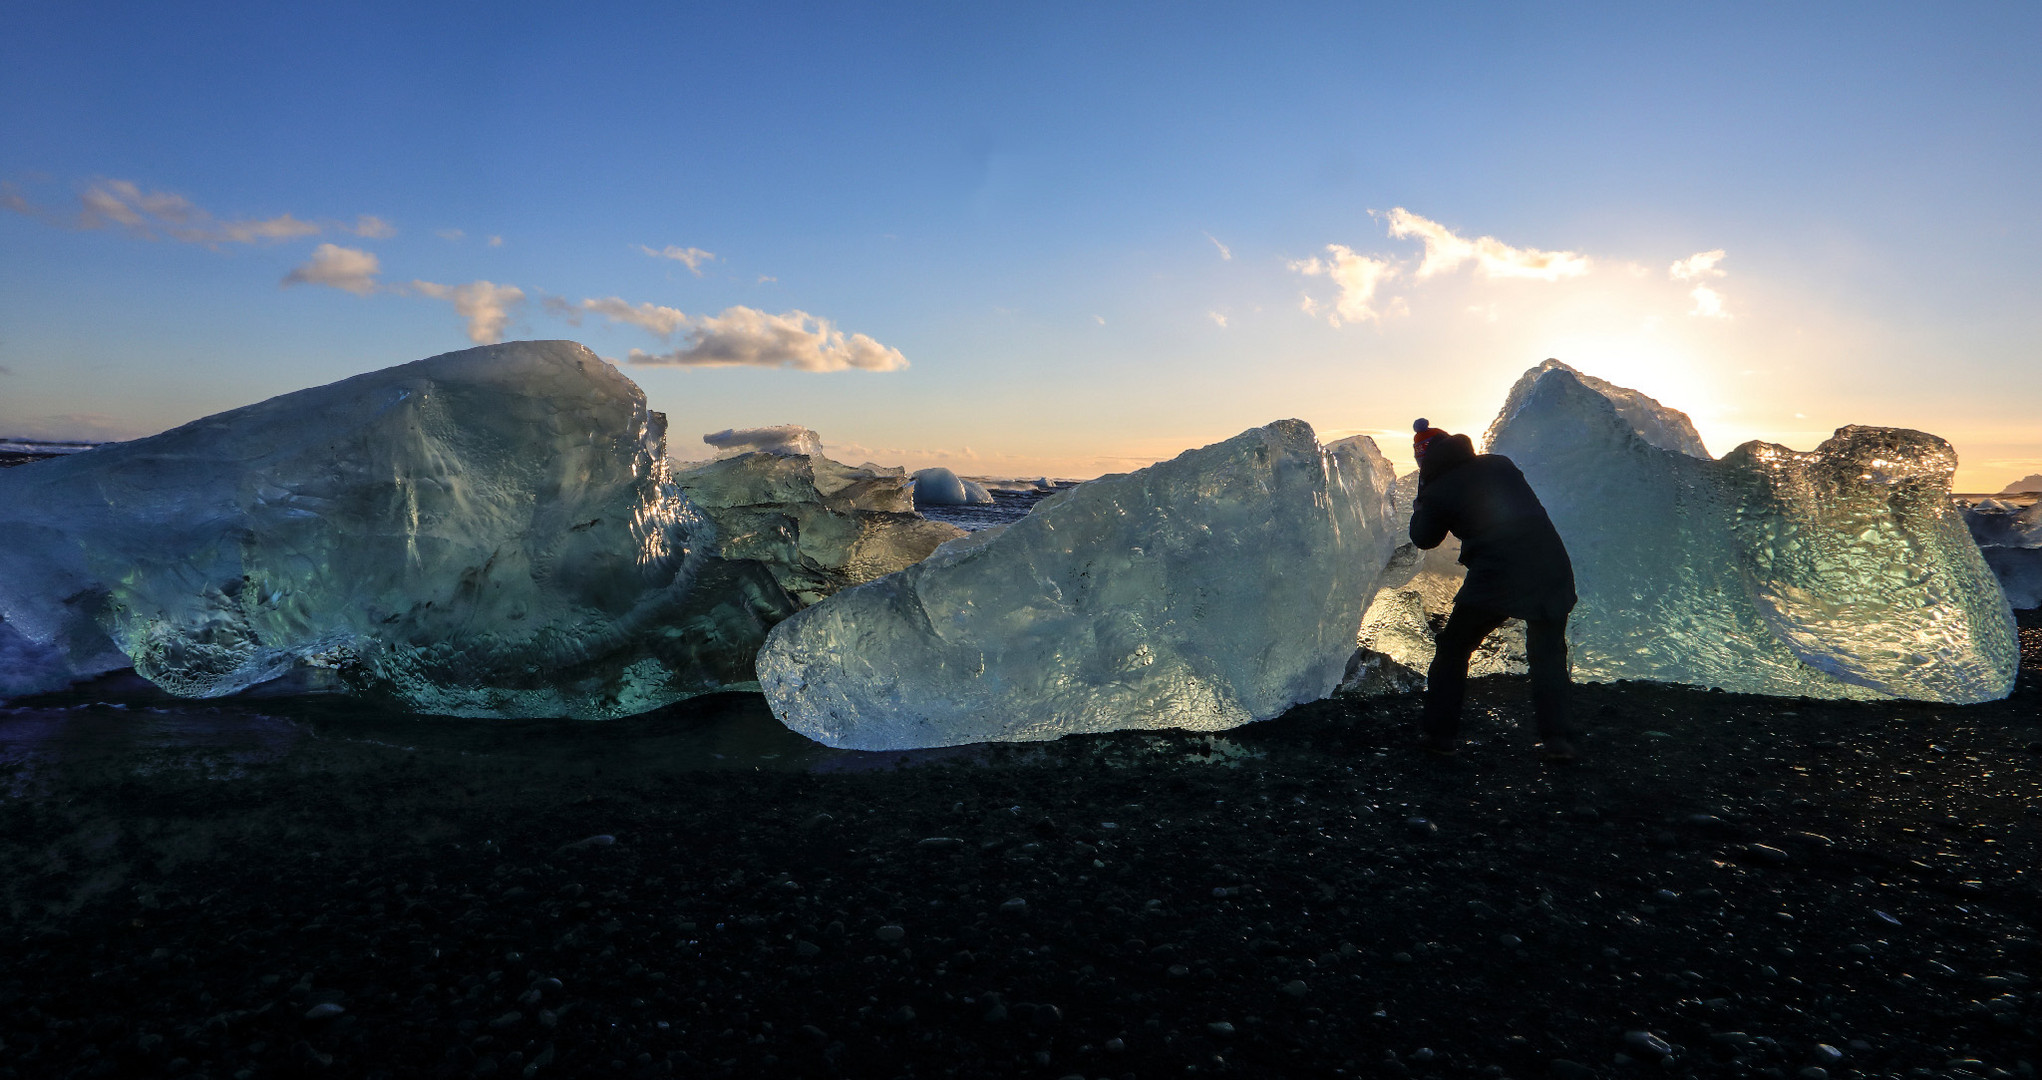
(491, 532)
(1204, 592)
(1841, 573)
(817, 524)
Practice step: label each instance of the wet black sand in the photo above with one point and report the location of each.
(1752, 886)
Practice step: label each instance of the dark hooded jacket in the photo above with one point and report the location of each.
(1516, 562)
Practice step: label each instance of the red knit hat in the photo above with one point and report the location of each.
(1423, 439)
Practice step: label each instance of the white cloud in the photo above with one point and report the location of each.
(1358, 277)
(1217, 318)
(496, 241)
(342, 268)
(1445, 252)
(371, 227)
(694, 257)
(651, 317)
(1698, 267)
(742, 336)
(1708, 303)
(1226, 253)
(450, 234)
(764, 278)
(485, 304)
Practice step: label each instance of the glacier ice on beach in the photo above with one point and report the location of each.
(941, 487)
(1662, 426)
(1839, 573)
(819, 525)
(2010, 538)
(1204, 592)
(492, 532)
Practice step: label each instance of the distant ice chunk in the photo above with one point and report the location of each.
(491, 532)
(818, 525)
(941, 487)
(1663, 427)
(2010, 537)
(1204, 592)
(1841, 573)
(786, 439)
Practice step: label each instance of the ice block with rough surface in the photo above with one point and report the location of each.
(490, 532)
(817, 524)
(1840, 573)
(1204, 592)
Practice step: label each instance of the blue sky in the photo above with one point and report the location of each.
(1038, 238)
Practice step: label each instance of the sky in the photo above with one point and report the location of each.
(1042, 238)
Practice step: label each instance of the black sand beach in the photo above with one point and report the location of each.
(1726, 886)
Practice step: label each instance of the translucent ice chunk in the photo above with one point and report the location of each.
(817, 524)
(2010, 537)
(485, 533)
(1204, 592)
(780, 439)
(1663, 427)
(1841, 573)
(941, 487)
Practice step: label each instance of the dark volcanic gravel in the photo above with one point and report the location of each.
(1726, 886)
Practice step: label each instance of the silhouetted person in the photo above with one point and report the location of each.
(1517, 568)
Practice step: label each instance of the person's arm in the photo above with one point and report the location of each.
(1428, 523)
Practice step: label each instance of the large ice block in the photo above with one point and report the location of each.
(819, 525)
(491, 532)
(1841, 573)
(1204, 592)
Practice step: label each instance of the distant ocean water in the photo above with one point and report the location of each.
(1008, 507)
(23, 451)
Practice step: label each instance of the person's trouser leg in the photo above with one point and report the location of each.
(1446, 681)
(1545, 641)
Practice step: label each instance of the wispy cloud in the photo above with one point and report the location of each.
(1358, 277)
(693, 257)
(1363, 278)
(744, 337)
(1218, 319)
(449, 234)
(154, 214)
(495, 241)
(1700, 268)
(1697, 267)
(1226, 253)
(485, 304)
(350, 269)
(1446, 251)
(165, 215)
(654, 318)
